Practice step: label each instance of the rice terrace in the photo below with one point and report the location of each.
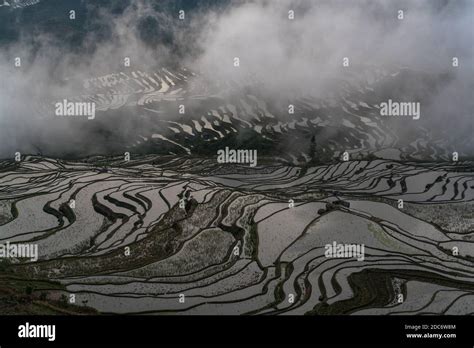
(218, 162)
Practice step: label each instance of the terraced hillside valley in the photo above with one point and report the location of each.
(181, 112)
(114, 117)
(145, 232)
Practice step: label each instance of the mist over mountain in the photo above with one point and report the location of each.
(282, 62)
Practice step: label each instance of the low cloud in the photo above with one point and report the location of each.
(284, 59)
